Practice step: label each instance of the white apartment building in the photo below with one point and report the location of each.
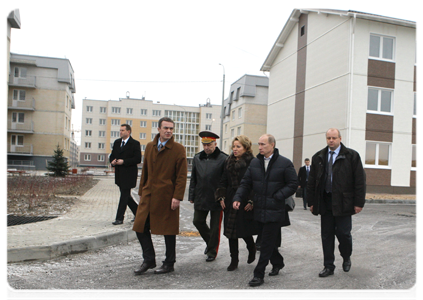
(350, 70)
(101, 121)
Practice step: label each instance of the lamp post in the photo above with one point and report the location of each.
(222, 114)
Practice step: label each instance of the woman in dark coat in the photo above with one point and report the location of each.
(237, 223)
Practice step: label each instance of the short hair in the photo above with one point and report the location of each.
(307, 159)
(245, 142)
(330, 129)
(127, 127)
(270, 139)
(165, 119)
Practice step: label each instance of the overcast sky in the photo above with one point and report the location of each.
(167, 51)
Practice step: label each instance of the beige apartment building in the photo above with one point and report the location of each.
(40, 103)
(101, 121)
(354, 71)
(245, 110)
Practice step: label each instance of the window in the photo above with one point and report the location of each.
(20, 72)
(382, 47)
(238, 90)
(101, 158)
(239, 112)
(100, 145)
(143, 123)
(19, 95)
(378, 154)
(238, 131)
(416, 111)
(208, 127)
(114, 134)
(380, 100)
(17, 140)
(143, 112)
(155, 124)
(413, 156)
(129, 111)
(142, 147)
(87, 145)
(226, 128)
(115, 122)
(18, 117)
(115, 110)
(157, 113)
(102, 109)
(129, 122)
(208, 116)
(153, 135)
(302, 30)
(102, 121)
(89, 120)
(102, 133)
(232, 133)
(88, 132)
(89, 109)
(142, 135)
(87, 157)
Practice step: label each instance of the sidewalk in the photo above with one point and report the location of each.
(88, 226)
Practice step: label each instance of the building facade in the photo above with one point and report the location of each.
(40, 103)
(353, 71)
(101, 121)
(245, 110)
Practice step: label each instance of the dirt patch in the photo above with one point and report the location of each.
(390, 196)
(45, 196)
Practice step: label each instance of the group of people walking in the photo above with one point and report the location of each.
(247, 192)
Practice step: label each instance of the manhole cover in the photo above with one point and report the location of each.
(13, 220)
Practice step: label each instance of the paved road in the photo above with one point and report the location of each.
(384, 259)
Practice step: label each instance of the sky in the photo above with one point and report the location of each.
(172, 52)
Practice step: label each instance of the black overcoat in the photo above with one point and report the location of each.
(126, 174)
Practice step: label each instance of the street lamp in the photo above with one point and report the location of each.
(222, 114)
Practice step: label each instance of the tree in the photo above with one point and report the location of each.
(59, 166)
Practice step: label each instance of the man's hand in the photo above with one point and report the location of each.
(222, 203)
(236, 205)
(311, 208)
(175, 204)
(357, 209)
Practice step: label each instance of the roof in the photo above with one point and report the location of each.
(294, 18)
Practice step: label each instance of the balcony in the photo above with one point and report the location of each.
(28, 81)
(28, 104)
(25, 149)
(14, 127)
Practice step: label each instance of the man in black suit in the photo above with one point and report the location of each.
(303, 178)
(336, 190)
(125, 157)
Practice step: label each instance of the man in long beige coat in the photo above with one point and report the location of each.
(162, 187)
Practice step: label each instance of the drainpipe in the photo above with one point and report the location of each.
(351, 81)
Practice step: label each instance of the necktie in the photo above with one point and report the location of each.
(307, 171)
(160, 146)
(123, 144)
(329, 173)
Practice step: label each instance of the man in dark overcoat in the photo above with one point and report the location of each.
(162, 187)
(336, 190)
(125, 156)
(303, 174)
(273, 178)
(207, 169)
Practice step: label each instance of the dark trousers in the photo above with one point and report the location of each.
(125, 200)
(234, 246)
(148, 252)
(271, 238)
(340, 227)
(305, 196)
(211, 235)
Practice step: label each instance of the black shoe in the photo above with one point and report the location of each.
(165, 268)
(256, 281)
(346, 265)
(251, 255)
(233, 265)
(275, 270)
(326, 272)
(206, 250)
(210, 258)
(144, 267)
(118, 222)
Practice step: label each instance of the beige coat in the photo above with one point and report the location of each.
(164, 176)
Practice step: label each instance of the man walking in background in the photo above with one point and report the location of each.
(303, 179)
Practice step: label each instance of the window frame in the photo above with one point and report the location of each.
(379, 101)
(376, 165)
(380, 57)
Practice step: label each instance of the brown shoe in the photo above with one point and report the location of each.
(165, 268)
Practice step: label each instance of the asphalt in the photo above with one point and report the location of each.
(86, 227)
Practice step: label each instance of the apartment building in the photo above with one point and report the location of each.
(245, 110)
(101, 121)
(350, 70)
(40, 103)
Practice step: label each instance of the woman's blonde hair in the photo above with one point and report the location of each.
(245, 142)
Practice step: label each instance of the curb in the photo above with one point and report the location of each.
(70, 247)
